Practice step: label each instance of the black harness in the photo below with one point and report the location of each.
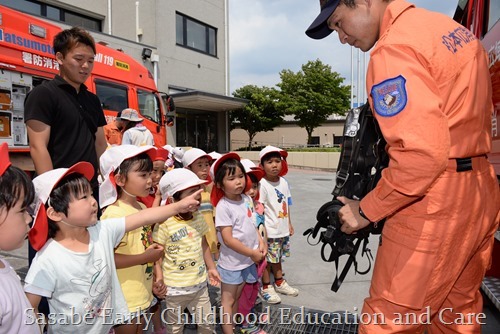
(362, 160)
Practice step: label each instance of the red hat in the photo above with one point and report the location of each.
(44, 184)
(4, 158)
(161, 154)
(217, 193)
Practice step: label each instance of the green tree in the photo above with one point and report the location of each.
(313, 94)
(261, 112)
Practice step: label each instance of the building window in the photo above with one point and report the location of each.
(195, 35)
(337, 140)
(39, 8)
(314, 141)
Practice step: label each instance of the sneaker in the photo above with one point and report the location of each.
(269, 295)
(286, 289)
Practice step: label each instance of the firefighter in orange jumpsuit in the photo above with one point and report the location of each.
(431, 95)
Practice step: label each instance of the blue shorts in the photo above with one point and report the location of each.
(236, 277)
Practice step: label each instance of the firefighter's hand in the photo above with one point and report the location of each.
(349, 216)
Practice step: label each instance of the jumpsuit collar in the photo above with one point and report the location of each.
(393, 11)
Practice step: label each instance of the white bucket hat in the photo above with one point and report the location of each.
(192, 155)
(251, 168)
(269, 149)
(130, 114)
(44, 184)
(215, 155)
(177, 180)
(110, 161)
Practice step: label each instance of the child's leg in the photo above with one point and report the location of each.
(270, 258)
(281, 284)
(175, 315)
(266, 277)
(273, 256)
(158, 325)
(229, 295)
(201, 308)
(277, 271)
(132, 327)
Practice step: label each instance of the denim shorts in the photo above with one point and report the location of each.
(236, 277)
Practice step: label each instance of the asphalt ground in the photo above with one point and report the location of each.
(305, 269)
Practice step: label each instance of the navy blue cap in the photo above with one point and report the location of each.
(319, 28)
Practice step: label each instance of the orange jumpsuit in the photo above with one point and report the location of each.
(113, 134)
(431, 94)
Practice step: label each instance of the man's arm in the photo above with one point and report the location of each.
(100, 142)
(39, 134)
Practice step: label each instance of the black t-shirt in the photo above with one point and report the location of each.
(73, 119)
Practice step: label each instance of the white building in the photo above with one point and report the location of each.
(182, 43)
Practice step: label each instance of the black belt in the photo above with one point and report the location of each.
(463, 164)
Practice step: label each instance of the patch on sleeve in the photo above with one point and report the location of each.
(389, 96)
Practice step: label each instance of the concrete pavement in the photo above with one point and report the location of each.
(304, 269)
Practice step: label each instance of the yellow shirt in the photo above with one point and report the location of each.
(136, 281)
(183, 264)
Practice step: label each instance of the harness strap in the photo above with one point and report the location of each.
(350, 260)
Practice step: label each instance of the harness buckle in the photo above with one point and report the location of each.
(342, 176)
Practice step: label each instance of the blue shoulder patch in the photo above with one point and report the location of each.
(389, 96)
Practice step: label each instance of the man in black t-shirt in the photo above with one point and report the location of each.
(64, 120)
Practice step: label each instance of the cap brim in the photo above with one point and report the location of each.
(83, 167)
(319, 28)
(218, 162)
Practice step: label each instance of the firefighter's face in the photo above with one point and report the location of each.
(357, 26)
(77, 64)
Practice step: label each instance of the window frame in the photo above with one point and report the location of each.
(209, 32)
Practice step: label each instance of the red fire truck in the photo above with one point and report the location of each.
(482, 17)
(27, 59)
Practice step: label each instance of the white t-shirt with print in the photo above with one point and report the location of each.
(82, 289)
(238, 215)
(276, 198)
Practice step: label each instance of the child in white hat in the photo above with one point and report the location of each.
(75, 267)
(127, 171)
(198, 161)
(16, 194)
(276, 197)
(241, 244)
(187, 255)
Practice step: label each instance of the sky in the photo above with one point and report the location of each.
(267, 36)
